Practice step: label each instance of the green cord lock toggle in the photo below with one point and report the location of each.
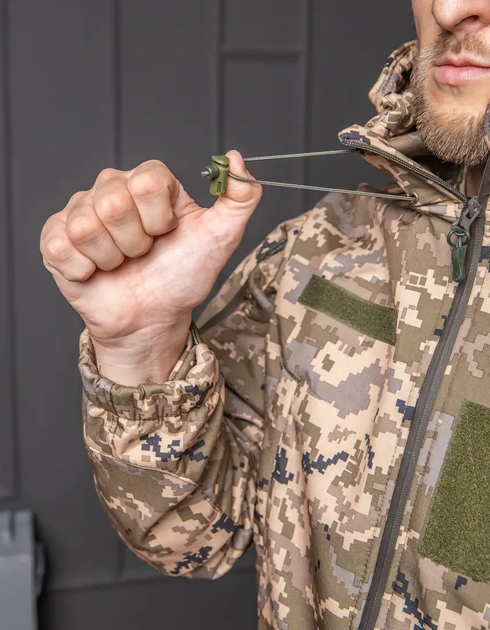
(217, 172)
(458, 254)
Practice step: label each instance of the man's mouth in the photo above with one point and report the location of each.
(460, 70)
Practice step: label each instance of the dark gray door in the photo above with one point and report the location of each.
(87, 84)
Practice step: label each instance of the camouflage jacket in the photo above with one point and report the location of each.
(332, 406)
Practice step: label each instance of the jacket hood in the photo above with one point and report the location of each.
(390, 142)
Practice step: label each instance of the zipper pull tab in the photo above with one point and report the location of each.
(460, 236)
(457, 239)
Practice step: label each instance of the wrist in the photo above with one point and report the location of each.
(146, 355)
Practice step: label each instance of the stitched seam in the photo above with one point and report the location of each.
(439, 316)
(419, 489)
(443, 408)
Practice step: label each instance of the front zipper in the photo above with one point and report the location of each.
(428, 393)
(461, 234)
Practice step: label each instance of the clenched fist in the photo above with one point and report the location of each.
(135, 254)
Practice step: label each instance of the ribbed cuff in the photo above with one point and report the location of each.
(191, 383)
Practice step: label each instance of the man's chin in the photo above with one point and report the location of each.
(453, 136)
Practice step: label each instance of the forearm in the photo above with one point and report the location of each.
(147, 356)
(177, 484)
(175, 463)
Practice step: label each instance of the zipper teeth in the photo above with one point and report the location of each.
(412, 455)
(409, 167)
(435, 374)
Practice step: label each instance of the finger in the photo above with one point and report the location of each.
(228, 218)
(60, 256)
(88, 234)
(154, 190)
(240, 196)
(118, 213)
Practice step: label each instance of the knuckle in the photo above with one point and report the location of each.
(77, 197)
(46, 229)
(82, 228)
(114, 207)
(106, 175)
(146, 183)
(154, 164)
(53, 221)
(57, 250)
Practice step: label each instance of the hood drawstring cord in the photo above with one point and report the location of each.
(458, 237)
(218, 173)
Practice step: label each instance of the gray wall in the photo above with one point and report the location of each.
(87, 84)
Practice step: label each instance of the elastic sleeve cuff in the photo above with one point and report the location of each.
(191, 383)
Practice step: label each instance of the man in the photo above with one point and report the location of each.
(333, 403)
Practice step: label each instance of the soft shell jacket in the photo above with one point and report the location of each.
(332, 406)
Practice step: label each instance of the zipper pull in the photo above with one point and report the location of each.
(459, 236)
(458, 253)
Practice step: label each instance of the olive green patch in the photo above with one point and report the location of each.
(457, 530)
(362, 315)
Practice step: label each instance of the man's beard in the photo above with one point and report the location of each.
(454, 136)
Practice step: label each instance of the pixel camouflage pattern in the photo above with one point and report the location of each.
(284, 426)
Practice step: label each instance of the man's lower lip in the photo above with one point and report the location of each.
(454, 75)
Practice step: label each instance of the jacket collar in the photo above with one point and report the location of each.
(390, 142)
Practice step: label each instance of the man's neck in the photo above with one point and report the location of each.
(473, 180)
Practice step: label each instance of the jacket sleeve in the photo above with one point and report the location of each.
(175, 463)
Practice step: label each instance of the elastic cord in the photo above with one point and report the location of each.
(290, 156)
(360, 193)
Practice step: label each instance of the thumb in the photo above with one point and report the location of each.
(240, 197)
